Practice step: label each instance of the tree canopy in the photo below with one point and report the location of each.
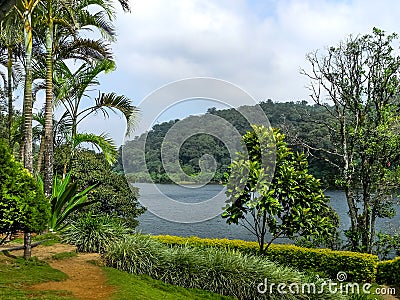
(291, 205)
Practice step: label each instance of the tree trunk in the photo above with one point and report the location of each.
(10, 97)
(28, 96)
(263, 232)
(347, 159)
(40, 155)
(366, 233)
(28, 164)
(48, 127)
(27, 245)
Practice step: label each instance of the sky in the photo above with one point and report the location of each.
(256, 45)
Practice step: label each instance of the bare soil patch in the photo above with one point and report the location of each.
(86, 280)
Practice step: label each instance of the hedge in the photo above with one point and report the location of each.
(389, 271)
(359, 267)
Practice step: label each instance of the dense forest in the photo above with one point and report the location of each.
(303, 125)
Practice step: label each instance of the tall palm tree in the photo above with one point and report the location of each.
(10, 46)
(62, 16)
(71, 87)
(25, 10)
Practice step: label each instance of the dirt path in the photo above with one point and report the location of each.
(86, 281)
(391, 297)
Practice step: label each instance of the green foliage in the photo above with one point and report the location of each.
(217, 270)
(131, 286)
(17, 274)
(362, 124)
(293, 204)
(293, 118)
(386, 243)
(65, 200)
(359, 267)
(113, 195)
(94, 233)
(102, 142)
(23, 205)
(389, 271)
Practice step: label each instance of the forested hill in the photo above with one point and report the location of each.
(301, 122)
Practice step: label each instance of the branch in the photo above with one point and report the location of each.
(23, 247)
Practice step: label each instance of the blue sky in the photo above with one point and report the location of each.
(257, 45)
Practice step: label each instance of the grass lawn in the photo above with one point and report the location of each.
(16, 275)
(141, 287)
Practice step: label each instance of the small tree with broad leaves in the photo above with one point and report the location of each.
(290, 205)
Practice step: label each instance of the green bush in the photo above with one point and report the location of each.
(23, 205)
(389, 271)
(94, 233)
(135, 254)
(359, 267)
(226, 272)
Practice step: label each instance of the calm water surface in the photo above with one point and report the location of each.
(217, 227)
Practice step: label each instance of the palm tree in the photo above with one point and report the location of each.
(61, 16)
(70, 89)
(74, 85)
(10, 42)
(25, 10)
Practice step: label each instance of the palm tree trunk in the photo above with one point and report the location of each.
(40, 156)
(28, 164)
(10, 97)
(48, 127)
(28, 100)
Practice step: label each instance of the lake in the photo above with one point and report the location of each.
(217, 227)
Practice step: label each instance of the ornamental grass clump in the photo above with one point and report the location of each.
(137, 254)
(94, 233)
(220, 271)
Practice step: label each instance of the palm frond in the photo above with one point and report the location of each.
(102, 142)
(84, 49)
(123, 104)
(125, 5)
(99, 21)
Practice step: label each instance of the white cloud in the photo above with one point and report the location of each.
(258, 45)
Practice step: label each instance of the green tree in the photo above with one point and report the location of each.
(23, 205)
(360, 79)
(114, 196)
(292, 205)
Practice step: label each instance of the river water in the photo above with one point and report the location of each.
(217, 227)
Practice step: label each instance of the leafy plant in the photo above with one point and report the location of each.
(94, 233)
(66, 199)
(113, 194)
(284, 201)
(23, 205)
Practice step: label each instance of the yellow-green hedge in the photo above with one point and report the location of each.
(359, 267)
(389, 271)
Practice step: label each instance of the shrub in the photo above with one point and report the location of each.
(389, 271)
(94, 233)
(135, 254)
(221, 271)
(359, 267)
(23, 205)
